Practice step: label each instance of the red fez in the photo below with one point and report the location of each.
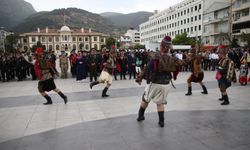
(39, 50)
(222, 46)
(167, 40)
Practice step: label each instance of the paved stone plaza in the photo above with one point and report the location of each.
(89, 122)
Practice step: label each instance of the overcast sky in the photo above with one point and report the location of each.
(99, 6)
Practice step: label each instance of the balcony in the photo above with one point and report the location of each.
(214, 32)
(241, 19)
(216, 20)
(241, 7)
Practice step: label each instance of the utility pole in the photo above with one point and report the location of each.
(230, 21)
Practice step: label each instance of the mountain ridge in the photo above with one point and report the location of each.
(12, 12)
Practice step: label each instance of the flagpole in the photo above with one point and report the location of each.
(64, 17)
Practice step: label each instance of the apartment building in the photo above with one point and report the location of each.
(216, 23)
(241, 18)
(186, 17)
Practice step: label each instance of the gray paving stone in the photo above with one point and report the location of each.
(89, 95)
(126, 133)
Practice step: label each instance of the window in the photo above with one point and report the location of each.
(50, 47)
(81, 46)
(24, 40)
(195, 18)
(57, 47)
(192, 9)
(50, 39)
(199, 27)
(245, 12)
(80, 39)
(195, 28)
(199, 6)
(86, 39)
(199, 17)
(57, 39)
(192, 29)
(102, 40)
(95, 46)
(188, 10)
(86, 46)
(74, 39)
(45, 47)
(188, 20)
(74, 46)
(43, 39)
(33, 39)
(195, 8)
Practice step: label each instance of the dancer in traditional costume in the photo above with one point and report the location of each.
(46, 82)
(225, 74)
(106, 74)
(158, 73)
(197, 72)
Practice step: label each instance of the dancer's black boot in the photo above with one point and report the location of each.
(64, 97)
(104, 92)
(141, 114)
(93, 84)
(189, 91)
(226, 100)
(221, 99)
(49, 101)
(204, 90)
(161, 118)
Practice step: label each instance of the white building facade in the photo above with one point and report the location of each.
(241, 18)
(64, 39)
(216, 25)
(134, 36)
(186, 17)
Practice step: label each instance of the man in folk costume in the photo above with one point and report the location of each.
(158, 73)
(64, 64)
(225, 74)
(46, 81)
(197, 72)
(106, 74)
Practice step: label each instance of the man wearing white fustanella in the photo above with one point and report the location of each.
(158, 74)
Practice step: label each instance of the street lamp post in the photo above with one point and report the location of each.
(230, 21)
